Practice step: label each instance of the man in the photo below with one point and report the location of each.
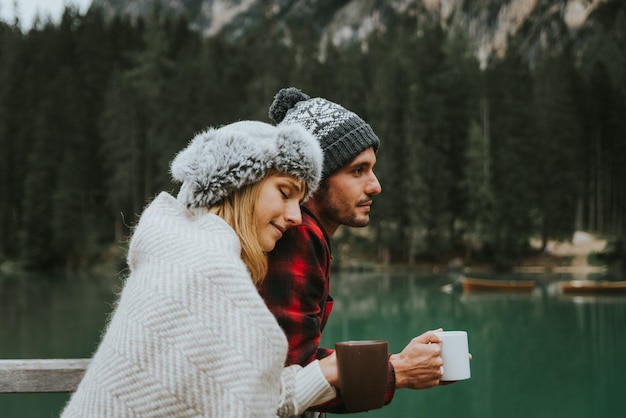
(297, 286)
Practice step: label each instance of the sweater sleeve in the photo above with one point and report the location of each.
(301, 388)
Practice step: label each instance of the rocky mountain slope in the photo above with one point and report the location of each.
(487, 23)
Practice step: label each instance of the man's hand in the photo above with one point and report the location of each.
(418, 365)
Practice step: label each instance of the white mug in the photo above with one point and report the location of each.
(455, 355)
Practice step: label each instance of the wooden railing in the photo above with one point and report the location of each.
(41, 375)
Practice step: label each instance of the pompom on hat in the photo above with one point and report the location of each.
(218, 161)
(342, 134)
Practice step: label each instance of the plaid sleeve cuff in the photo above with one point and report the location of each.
(391, 382)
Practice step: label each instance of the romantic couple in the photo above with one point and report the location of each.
(228, 292)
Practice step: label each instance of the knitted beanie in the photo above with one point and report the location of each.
(218, 161)
(342, 134)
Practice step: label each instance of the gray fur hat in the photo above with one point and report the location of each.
(342, 134)
(218, 161)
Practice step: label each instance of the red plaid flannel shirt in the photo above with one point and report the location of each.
(297, 291)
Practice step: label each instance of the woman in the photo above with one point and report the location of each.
(190, 335)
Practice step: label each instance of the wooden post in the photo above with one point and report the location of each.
(41, 375)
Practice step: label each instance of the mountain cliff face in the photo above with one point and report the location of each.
(486, 23)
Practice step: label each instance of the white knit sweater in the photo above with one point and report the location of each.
(190, 335)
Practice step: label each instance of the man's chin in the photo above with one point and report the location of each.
(360, 222)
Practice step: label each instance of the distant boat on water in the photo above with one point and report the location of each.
(593, 287)
(472, 284)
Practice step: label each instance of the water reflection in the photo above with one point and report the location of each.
(51, 316)
(536, 354)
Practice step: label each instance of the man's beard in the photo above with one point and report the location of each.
(337, 211)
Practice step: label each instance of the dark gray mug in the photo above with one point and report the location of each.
(362, 368)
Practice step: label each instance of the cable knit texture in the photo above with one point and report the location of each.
(169, 348)
(341, 133)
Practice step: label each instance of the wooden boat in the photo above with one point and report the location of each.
(471, 284)
(593, 287)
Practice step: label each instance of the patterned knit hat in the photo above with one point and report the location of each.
(218, 161)
(342, 134)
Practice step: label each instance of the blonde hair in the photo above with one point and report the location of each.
(237, 209)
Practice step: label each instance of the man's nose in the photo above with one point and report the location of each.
(373, 186)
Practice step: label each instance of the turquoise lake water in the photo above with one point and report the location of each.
(538, 354)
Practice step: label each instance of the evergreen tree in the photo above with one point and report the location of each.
(415, 190)
(45, 139)
(136, 147)
(12, 151)
(458, 81)
(556, 166)
(74, 198)
(603, 67)
(478, 184)
(269, 63)
(99, 49)
(509, 87)
(394, 216)
(435, 161)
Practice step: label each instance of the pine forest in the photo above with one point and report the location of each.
(474, 160)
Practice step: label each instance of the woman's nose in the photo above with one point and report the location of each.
(293, 214)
